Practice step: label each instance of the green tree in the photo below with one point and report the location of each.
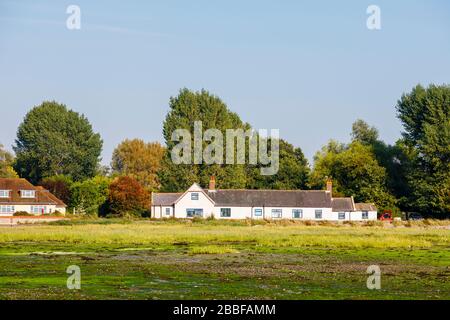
(6, 162)
(90, 196)
(185, 109)
(292, 174)
(364, 133)
(53, 140)
(355, 172)
(139, 160)
(425, 115)
(394, 158)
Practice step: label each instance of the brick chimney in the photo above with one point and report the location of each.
(330, 185)
(212, 184)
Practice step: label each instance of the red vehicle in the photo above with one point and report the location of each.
(386, 215)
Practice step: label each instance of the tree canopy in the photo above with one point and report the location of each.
(60, 186)
(128, 197)
(6, 162)
(140, 160)
(355, 172)
(90, 195)
(185, 109)
(53, 140)
(293, 171)
(425, 115)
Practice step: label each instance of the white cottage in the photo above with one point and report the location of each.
(259, 204)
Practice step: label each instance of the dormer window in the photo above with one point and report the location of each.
(27, 193)
(4, 193)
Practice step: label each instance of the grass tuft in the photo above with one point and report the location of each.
(211, 249)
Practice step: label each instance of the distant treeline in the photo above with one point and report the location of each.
(57, 148)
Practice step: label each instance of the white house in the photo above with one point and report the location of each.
(259, 204)
(18, 195)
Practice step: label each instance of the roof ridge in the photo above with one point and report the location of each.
(284, 190)
(167, 192)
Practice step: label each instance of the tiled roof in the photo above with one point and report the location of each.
(365, 207)
(15, 185)
(165, 199)
(342, 204)
(272, 198)
(58, 201)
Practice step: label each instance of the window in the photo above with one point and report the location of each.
(167, 211)
(27, 193)
(7, 209)
(190, 213)
(277, 213)
(194, 196)
(4, 193)
(225, 212)
(258, 212)
(318, 214)
(297, 213)
(341, 215)
(365, 215)
(38, 209)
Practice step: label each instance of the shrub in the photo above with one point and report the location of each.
(374, 223)
(58, 214)
(89, 196)
(128, 197)
(22, 214)
(211, 249)
(310, 223)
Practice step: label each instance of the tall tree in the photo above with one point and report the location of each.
(139, 160)
(185, 109)
(6, 162)
(355, 172)
(394, 158)
(53, 140)
(364, 133)
(425, 115)
(292, 174)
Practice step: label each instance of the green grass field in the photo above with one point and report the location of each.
(122, 259)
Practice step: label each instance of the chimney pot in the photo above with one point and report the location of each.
(212, 184)
(330, 186)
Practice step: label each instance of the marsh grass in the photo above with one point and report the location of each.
(269, 235)
(211, 249)
(186, 259)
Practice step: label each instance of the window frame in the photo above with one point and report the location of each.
(40, 207)
(257, 212)
(7, 208)
(222, 213)
(280, 211)
(195, 214)
(168, 211)
(294, 211)
(28, 194)
(340, 216)
(4, 194)
(316, 212)
(195, 195)
(364, 215)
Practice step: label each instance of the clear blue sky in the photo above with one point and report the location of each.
(309, 68)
